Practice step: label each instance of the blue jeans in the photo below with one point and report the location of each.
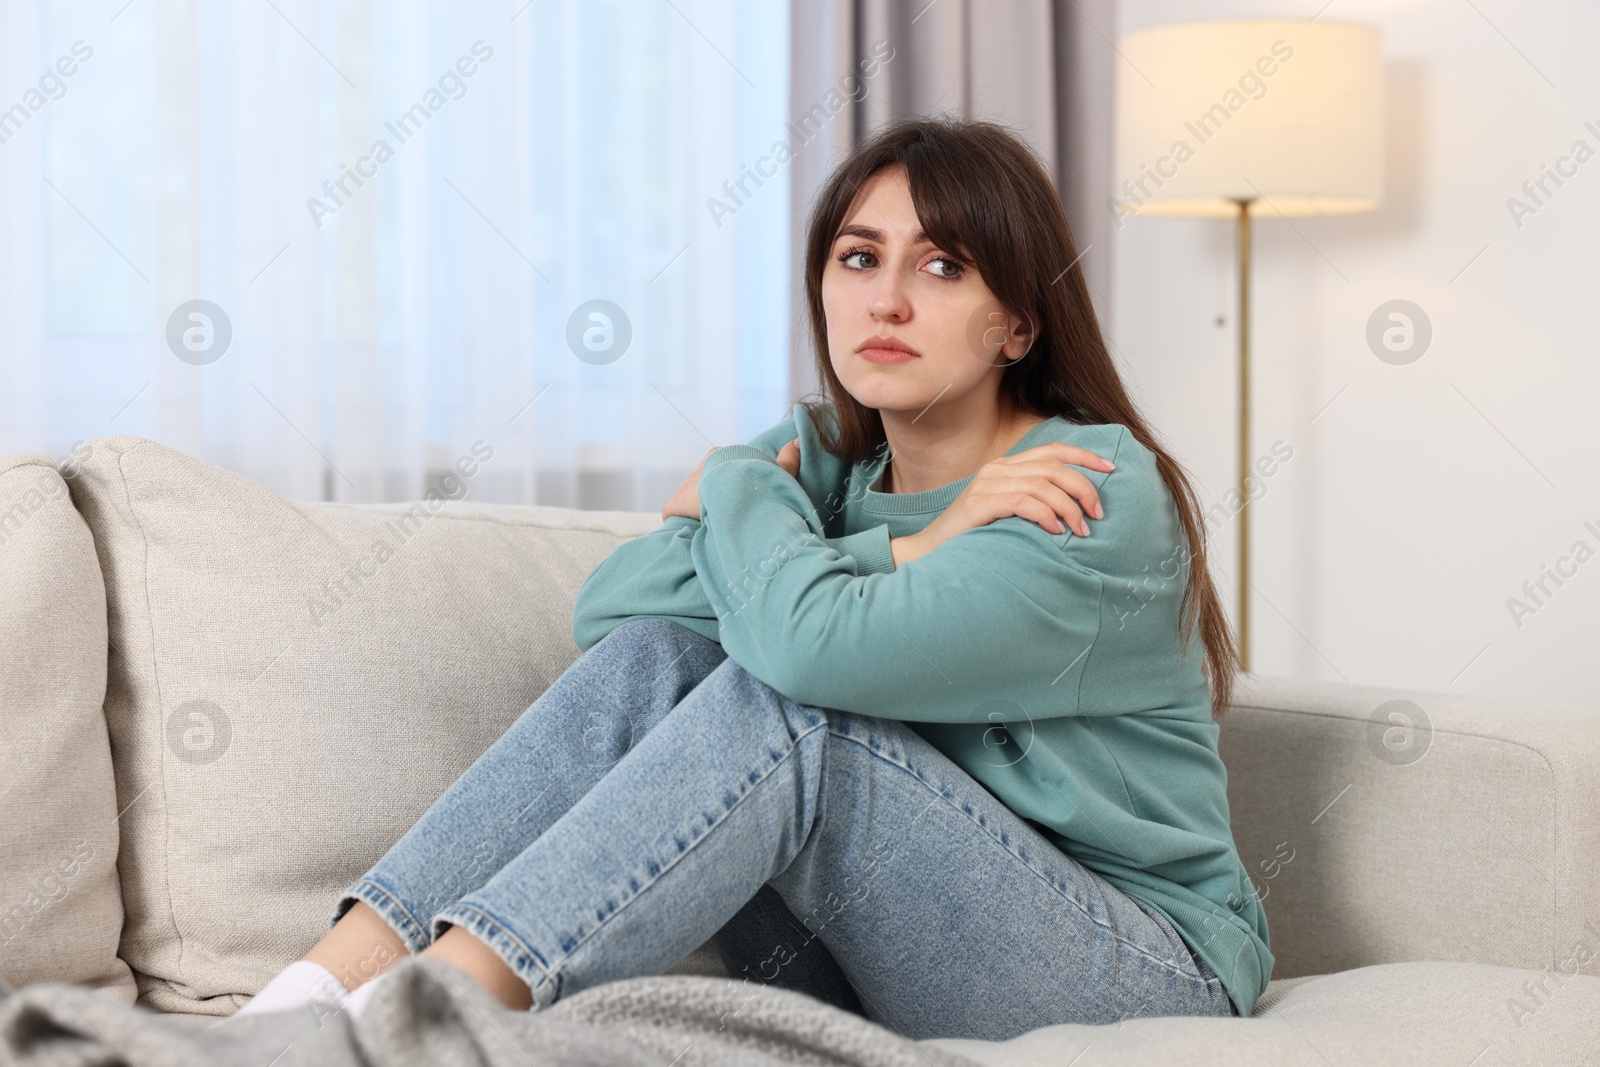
(658, 795)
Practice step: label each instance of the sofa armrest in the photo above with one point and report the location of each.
(60, 899)
(1386, 825)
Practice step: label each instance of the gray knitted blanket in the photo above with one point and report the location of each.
(429, 1015)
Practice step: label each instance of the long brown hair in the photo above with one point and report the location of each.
(980, 193)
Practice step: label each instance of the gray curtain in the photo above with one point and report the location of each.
(1043, 67)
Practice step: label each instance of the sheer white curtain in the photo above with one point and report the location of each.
(396, 209)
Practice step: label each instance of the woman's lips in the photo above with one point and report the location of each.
(886, 355)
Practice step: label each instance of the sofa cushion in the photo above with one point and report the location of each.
(1385, 825)
(293, 684)
(60, 903)
(1417, 1014)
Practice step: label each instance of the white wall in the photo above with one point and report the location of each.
(1421, 499)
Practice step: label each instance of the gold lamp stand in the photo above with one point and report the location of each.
(1244, 433)
(1312, 145)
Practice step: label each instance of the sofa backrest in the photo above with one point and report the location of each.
(1385, 826)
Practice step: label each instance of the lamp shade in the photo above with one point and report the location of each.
(1285, 114)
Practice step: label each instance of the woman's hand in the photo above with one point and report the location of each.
(789, 458)
(686, 499)
(1035, 484)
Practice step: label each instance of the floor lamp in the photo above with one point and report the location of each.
(1234, 118)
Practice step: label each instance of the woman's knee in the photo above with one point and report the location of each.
(652, 630)
(657, 649)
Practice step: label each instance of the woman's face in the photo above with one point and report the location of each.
(885, 279)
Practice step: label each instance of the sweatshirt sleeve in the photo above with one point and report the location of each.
(1002, 612)
(652, 576)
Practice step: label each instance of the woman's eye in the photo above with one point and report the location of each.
(866, 259)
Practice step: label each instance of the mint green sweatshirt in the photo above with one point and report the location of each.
(1047, 666)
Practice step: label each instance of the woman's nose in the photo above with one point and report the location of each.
(888, 300)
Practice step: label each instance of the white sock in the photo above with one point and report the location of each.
(363, 993)
(296, 986)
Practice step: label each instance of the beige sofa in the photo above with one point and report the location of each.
(218, 708)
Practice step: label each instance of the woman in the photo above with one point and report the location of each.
(874, 708)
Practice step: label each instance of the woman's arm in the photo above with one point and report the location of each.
(648, 576)
(653, 575)
(1004, 611)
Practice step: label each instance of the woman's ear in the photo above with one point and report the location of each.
(999, 337)
(1019, 338)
